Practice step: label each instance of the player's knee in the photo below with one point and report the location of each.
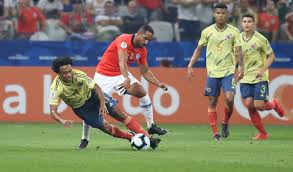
(213, 103)
(141, 94)
(145, 100)
(249, 105)
(259, 107)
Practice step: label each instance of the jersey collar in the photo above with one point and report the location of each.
(246, 40)
(219, 29)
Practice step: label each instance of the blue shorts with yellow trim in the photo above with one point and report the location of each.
(214, 85)
(89, 111)
(258, 91)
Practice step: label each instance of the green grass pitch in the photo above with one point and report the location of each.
(50, 148)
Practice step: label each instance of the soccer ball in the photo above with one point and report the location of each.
(140, 142)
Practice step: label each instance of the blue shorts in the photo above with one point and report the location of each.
(258, 91)
(89, 111)
(213, 85)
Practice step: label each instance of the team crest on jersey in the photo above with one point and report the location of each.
(137, 56)
(123, 45)
(253, 46)
(228, 37)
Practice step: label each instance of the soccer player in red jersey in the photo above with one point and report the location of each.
(112, 74)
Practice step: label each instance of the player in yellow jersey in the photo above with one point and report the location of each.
(88, 102)
(220, 40)
(258, 56)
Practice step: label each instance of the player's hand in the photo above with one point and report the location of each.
(238, 74)
(260, 73)
(126, 83)
(103, 110)
(190, 72)
(67, 123)
(163, 86)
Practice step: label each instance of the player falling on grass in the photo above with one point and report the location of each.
(88, 102)
(258, 56)
(220, 39)
(112, 74)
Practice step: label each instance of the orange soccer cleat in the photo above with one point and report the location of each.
(261, 136)
(278, 107)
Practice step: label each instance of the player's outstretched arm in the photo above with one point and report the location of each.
(56, 117)
(122, 54)
(150, 77)
(102, 109)
(270, 60)
(193, 60)
(239, 67)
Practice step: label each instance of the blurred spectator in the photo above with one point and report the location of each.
(154, 9)
(67, 5)
(7, 11)
(50, 7)
(287, 28)
(77, 21)
(283, 9)
(28, 20)
(230, 7)
(205, 10)
(96, 7)
(244, 8)
(133, 19)
(268, 22)
(108, 23)
(188, 21)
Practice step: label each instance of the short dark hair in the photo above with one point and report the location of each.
(221, 6)
(146, 28)
(60, 61)
(248, 15)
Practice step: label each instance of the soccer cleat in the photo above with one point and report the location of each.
(83, 144)
(217, 137)
(225, 130)
(278, 107)
(154, 142)
(154, 129)
(261, 136)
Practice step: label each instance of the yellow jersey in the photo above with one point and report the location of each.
(220, 49)
(255, 51)
(75, 93)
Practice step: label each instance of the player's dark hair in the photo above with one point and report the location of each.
(146, 28)
(60, 61)
(249, 16)
(221, 6)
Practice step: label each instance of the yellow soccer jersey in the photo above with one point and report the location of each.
(220, 49)
(74, 94)
(255, 51)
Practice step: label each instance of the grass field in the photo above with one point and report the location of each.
(50, 147)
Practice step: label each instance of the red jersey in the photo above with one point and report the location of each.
(28, 20)
(267, 22)
(109, 64)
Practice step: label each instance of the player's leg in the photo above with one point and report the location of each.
(247, 93)
(261, 99)
(138, 91)
(228, 86)
(212, 90)
(107, 85)
(114, 131)
(117, 114)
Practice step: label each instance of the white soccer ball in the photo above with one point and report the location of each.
(140, 142)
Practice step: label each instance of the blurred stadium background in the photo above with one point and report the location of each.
(34, 32)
